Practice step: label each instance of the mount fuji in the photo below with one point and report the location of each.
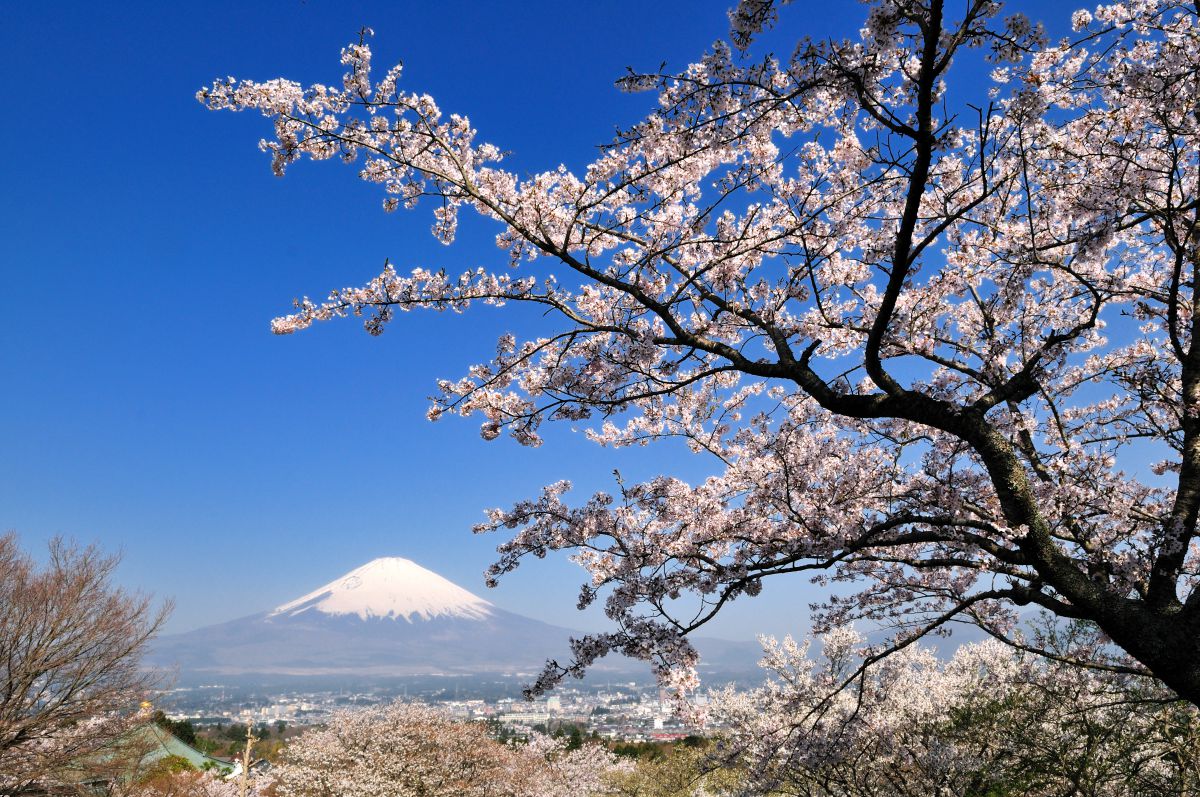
(390, 588)
(391, 617)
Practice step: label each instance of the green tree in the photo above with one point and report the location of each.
(183, 730)
(676, 771)
(170, 765)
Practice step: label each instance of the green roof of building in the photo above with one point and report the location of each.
(162, 743)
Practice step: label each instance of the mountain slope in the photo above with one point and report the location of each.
(390, 588)
(390, 617)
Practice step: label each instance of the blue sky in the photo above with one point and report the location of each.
(146, 247)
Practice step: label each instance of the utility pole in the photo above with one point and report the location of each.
(244, 785)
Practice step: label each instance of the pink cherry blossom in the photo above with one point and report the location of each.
(928, 333)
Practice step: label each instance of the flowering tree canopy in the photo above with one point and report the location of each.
(405, 748)
(933, 334)
(185, 783)
(990, 720)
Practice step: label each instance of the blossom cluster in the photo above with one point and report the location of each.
(986, 720)
(407, 748)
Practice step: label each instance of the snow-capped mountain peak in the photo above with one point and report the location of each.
(390, 588)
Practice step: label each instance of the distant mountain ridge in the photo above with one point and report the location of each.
(389, 618)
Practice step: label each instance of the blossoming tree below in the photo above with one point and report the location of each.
(988, 720)
(406, 748)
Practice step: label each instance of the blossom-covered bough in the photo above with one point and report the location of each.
(933, 334)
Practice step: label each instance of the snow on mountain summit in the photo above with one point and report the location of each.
(391, 587)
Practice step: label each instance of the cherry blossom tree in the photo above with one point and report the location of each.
(990, 720)
(161, 779)
(70, 650)
(405, 748)
(186, 784)
(936, 333)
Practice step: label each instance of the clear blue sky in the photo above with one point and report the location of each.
(146, 246)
